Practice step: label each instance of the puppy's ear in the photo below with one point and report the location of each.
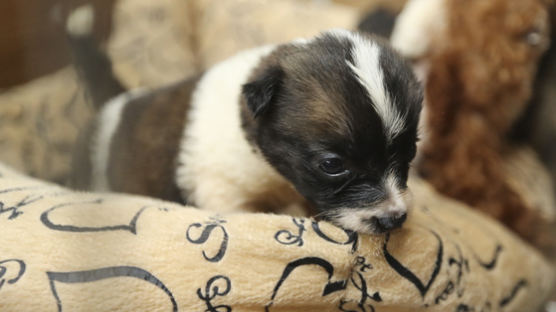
(260, 92)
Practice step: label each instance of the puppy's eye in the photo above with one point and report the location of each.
(332, 166)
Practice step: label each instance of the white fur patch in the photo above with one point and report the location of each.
(214, 153)
(301, 41)
(80, 21)
(107, 124)
(420, 22)
(355, 219)
(366, 66)
(397, 202)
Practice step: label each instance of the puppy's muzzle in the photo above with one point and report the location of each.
(376, 218)
(387, 222)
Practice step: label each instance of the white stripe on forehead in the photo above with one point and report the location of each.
(366, 66)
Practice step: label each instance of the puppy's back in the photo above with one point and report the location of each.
(133, 144)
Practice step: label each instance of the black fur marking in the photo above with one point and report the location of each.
(319, 107)
(260, 93)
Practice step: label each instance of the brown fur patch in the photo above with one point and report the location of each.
(479, 83)
(146, 144)
(322, 111)
(303, 106)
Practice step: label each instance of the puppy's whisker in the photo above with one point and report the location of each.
(341, 188)
(321, 215)
(330, 214)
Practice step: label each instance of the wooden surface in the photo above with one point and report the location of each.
(32, 37)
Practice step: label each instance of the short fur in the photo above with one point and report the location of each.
(337, 117)
(254, 131)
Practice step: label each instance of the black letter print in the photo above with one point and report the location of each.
(212, 291)
(210, 226)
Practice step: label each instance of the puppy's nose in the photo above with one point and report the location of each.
(390, 222)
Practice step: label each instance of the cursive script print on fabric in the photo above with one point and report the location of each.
(15, 210)
(207, 229)
(104, 273)
(406, 273)
(348, 306)
(214, 288)
(485, 307)
(286, 237)
(21, 189)
(352, 237)
(330, 287)
(491, 264)
(522, 283)
(130, 227)
(5, 271)
(460, 265)
(359, 282)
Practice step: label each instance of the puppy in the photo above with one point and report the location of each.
(329, 123)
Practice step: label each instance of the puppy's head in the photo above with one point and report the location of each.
(337, 116)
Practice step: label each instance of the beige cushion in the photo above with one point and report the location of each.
(95, 252)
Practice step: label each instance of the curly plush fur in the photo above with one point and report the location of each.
(478, 84)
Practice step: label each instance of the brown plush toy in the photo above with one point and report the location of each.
(481, 60)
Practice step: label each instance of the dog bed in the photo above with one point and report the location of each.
(67, 251)
(62, 250)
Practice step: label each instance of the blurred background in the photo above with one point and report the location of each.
(152, 43)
